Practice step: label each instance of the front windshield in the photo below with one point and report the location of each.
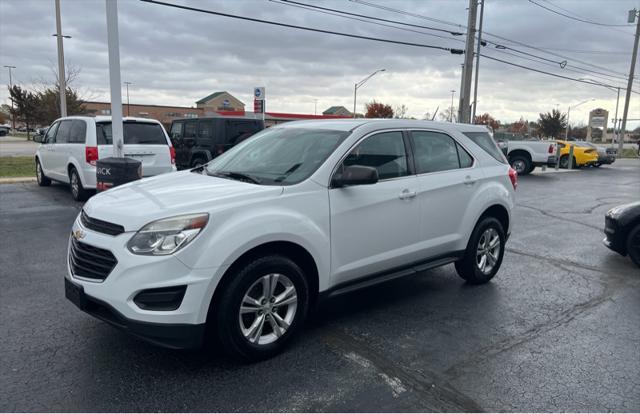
(277, 156)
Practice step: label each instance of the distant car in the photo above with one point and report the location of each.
(605, 155)
(198, 141)
(622, 230)
(39, 133)
(582, 156)
(4, 130)
(72, 145)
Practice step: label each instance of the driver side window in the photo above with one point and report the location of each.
(385, 152)
(50, 138)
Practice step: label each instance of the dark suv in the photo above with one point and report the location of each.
(198, 141)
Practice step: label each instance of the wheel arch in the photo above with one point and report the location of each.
(520, 152)
(295, 252)
(500, 213)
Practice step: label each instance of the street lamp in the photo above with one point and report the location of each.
(451, 108)
(566, 132)
(127, 83)
(359, 84)
(13, 117)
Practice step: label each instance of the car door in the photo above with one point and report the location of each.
(178, 144)
(374, 227)
(61, 152)
(47, 154)
(447, 181)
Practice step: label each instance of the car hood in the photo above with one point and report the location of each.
(625, 213)
(135, 204)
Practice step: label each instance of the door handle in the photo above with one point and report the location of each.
(406, 194)
(469, 181)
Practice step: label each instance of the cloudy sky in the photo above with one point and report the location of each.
(175, 57)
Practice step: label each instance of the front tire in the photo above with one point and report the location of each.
(262, 308)
(43, 180)
(77, 190)
(483, 256)
(633, 245)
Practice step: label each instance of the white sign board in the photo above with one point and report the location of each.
(258, 93)
(597, 122)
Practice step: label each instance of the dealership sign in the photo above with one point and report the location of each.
(258, 100)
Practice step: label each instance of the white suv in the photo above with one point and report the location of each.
(243, 247)
(72, 145)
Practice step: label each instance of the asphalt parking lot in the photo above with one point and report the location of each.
(558, 329)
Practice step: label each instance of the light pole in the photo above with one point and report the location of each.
(566, 132)
(451, 108)
(359, 84)
(61, 77)
(127, 83)
(633, 14)
(315, 107)
(13, 117)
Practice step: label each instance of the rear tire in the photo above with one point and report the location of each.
(483, 256)
(521, 164)
(255, 319)
(197, 162)
(633, 245)
(43, 180)
(77, 190)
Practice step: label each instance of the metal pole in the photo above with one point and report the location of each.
(465, 94)
(566, 132)
(451, 109)
(570, 166)
(355, 91)
(13, 116)
(128, 106)
(315, 107)
(61, 76)
(629, 85)
(615, 118)
(475, 82)
(114, 77)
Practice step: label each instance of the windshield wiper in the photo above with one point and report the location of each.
(288, 172)
(236, 176)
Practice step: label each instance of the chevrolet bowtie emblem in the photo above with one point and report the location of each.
(78, 234)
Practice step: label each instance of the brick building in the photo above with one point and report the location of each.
(162, 113)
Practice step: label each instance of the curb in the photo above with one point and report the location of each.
(15, 180)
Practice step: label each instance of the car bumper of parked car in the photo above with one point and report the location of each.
(551, 161)
(612, 238)
(116, 297)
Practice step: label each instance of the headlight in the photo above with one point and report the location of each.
(168, 235)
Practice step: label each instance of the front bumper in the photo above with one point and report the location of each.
(613, 239)
(174, 336)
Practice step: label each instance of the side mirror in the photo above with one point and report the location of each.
(355, 175)
(38, 138)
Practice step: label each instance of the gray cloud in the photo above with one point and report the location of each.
(177, 57)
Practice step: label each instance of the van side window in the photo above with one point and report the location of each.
(64, 131)
(385, 152)
(435, 151)
(50, 138)
(176, 130)
(78, 132)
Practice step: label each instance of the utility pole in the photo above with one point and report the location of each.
(475, 82)
(451, 109)
(464, 111)
(315, 106)
(13, 116)
(127, 83)
(113, 43)
(633, 14)
(615, 118)
(61, 76)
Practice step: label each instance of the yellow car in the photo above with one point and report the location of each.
(582, 156)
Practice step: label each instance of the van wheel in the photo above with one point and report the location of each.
(262, 308)
(483, 256)
(43, 180)
(197, 162)
(77, 191)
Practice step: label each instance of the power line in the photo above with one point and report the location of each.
(577, 18)
(310, 29)
(391, 9)
(339, 14)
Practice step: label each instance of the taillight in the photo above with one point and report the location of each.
(172, 152)
(551, 150)
(91, 155)
(513, 176)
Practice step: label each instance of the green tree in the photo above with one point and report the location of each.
(25, 106)
(552, 124)
(378, 110)
(49, 104)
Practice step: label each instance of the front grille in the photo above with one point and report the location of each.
(89, 261)
(100, 226)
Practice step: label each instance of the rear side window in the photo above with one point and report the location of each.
(205, 130)
(176, 130)
(64, 131)
(78, 132)
(435, 152)
(143, 133)
(238, 131)
(486, 142)
(190, 129)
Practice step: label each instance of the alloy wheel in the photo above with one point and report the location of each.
(75, 186)
(38, 172)
(519, 166)
(488, 250)
(268, 309)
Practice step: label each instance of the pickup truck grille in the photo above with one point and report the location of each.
(100, 226)
(89, 261)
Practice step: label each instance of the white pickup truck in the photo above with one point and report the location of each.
(525, 156)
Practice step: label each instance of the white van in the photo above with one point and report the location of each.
(72, 145)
